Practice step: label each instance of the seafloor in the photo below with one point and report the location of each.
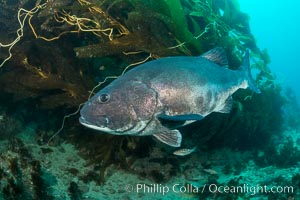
(30, 170)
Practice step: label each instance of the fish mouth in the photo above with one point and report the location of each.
(132, 130)
(87, 124)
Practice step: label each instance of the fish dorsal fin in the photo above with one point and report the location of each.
(217, 55)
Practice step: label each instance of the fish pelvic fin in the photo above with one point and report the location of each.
(172, 138)
(245, 68)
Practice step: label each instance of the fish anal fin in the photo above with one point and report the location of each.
(171, 137)
(217, 55)
(227, 105)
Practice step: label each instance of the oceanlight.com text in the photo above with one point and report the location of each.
(245, 188)
(210, 188)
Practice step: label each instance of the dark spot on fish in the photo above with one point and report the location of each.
(209, 99)
(204, 102)
(213, 107)
(208, 96)
(179, 107)
(200, 101)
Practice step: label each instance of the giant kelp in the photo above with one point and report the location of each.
(124, 29)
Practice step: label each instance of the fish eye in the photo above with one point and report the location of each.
(103, 98)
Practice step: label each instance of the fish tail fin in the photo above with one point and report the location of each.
(245, 68)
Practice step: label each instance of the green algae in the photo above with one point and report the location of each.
(175, 11)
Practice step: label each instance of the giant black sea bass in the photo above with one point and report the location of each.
(159, 96)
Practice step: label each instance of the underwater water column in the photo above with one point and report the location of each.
(276, 26)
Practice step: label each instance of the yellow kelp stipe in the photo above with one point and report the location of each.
(23, 15)
(81, 24)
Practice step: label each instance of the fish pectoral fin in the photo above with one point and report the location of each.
(171, 137)
(181, 117)
(227, 105)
